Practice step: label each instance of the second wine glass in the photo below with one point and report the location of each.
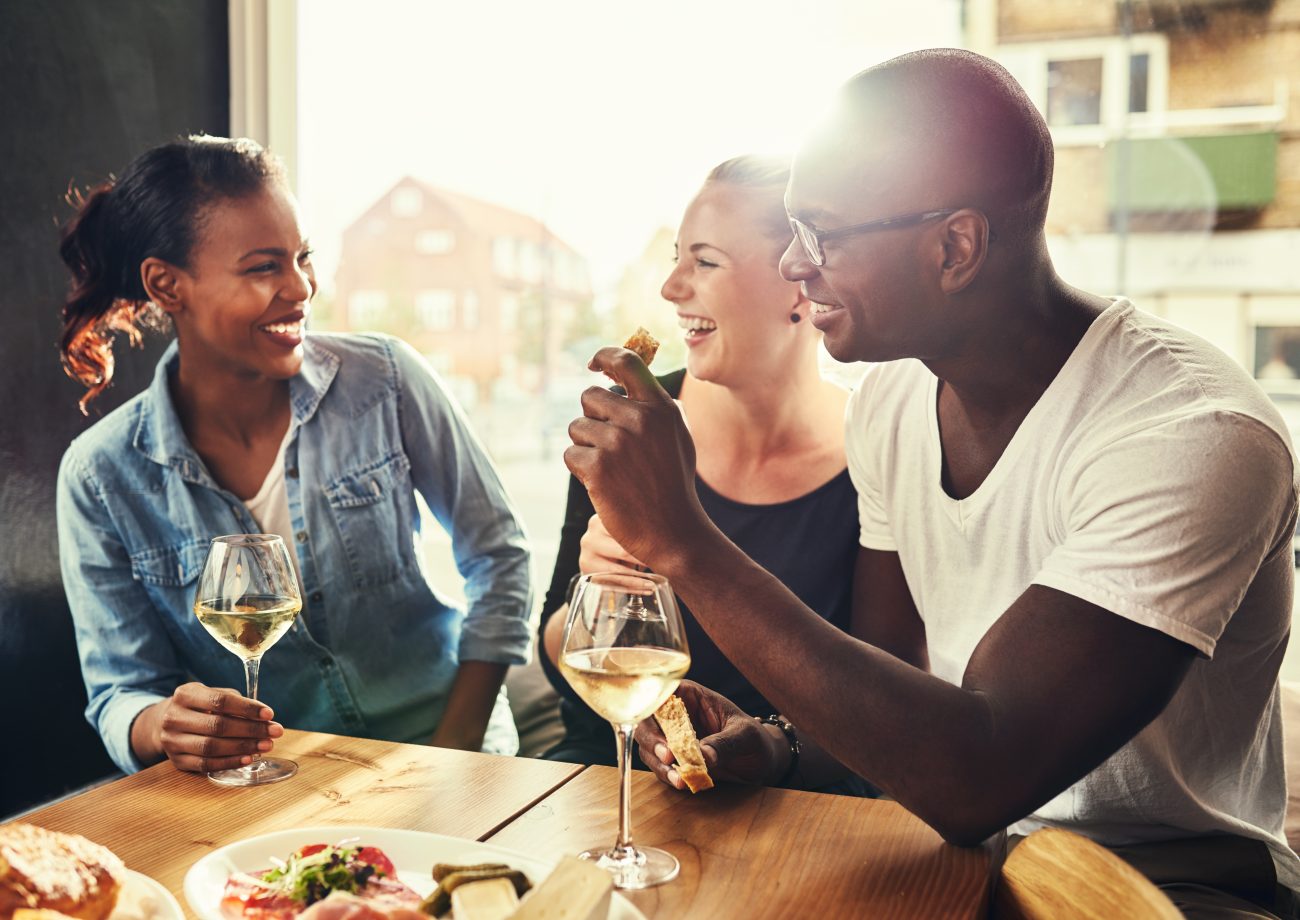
(247, 598)
(624, 653)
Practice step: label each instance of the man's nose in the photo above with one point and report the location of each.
(795, 264)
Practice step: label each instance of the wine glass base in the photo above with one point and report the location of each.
(259, 773)
(647, 867)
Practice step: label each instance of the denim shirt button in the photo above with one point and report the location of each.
(316, 597)
(301, 536)
(293, 472)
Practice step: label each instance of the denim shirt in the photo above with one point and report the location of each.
(375, 649)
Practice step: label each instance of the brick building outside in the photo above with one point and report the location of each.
(487, 294)
(1177, 132)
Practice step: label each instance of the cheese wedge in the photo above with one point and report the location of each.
(494, 899)
(576, 890)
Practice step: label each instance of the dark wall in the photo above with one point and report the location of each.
(85, 85)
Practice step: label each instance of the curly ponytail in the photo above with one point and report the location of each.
(94, 307)
(153, 211)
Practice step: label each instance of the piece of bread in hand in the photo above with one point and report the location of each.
(47, 870)
(680, 735)
(643, 344)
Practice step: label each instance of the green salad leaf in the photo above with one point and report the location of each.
(308, 879)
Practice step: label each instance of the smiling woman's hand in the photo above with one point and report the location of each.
(204, 729)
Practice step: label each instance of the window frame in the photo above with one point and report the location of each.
(1029, 63)
(263, 57)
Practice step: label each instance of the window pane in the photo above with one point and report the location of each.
(1139, 68)
(1277, 352)
(434, 310)
(435, 242)
(1074, 92)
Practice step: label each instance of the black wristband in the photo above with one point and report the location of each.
(792, 739)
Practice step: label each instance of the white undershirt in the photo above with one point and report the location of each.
(270, 506)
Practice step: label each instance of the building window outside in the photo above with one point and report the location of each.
(509, 305)
(1277, 352)
(366, 308)
(435, 242)
(439, 361)
(1074, 92)
(1139, 82)
(407, 201)
(469, 310)
(531, 261)
(435, 310)
(504, 261)
(1087, 88)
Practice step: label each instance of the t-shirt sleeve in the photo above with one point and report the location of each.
(866, 467)
(1167, 526)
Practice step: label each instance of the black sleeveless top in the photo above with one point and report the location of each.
(810, 543)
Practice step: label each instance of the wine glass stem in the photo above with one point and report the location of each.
(624, 844)
(251, 668)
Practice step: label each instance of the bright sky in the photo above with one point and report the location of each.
(600, 117)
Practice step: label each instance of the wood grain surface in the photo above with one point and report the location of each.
(757, 853)
(160, 821)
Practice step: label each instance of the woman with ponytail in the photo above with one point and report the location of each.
(769, 442)
(253, 425)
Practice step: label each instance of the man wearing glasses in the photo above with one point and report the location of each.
(1076, 520)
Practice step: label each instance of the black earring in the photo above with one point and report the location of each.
(795, 317)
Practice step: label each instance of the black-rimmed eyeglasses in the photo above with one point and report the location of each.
(811, 238)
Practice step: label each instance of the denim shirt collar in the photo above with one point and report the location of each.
(160, 437)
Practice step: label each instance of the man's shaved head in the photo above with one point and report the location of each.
(936, 129)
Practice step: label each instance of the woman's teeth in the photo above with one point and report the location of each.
(696, 324)
(284, 328)
(823, 308)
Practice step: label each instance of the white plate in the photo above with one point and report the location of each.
(413, 854)
(142, 898)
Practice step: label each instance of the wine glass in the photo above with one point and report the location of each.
(247, 598)
(624, 653)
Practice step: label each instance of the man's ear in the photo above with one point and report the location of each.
(964, 245)
(162, 282)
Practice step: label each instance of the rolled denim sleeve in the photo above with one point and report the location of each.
(127, 662)
(461, 487)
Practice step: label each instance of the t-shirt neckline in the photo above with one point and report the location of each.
(962, 508)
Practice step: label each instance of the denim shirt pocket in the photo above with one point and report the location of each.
(171, 566)
(370, 507)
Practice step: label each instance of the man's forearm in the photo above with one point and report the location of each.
(900, 726)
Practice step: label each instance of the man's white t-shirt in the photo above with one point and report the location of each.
(1154, 479)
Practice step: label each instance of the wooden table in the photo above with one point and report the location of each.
(745, 852)
(754, 852)
(160, 821)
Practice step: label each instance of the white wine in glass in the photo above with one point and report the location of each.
(247, 598)
(624, 653)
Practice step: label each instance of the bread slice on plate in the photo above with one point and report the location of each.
(680, 735)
